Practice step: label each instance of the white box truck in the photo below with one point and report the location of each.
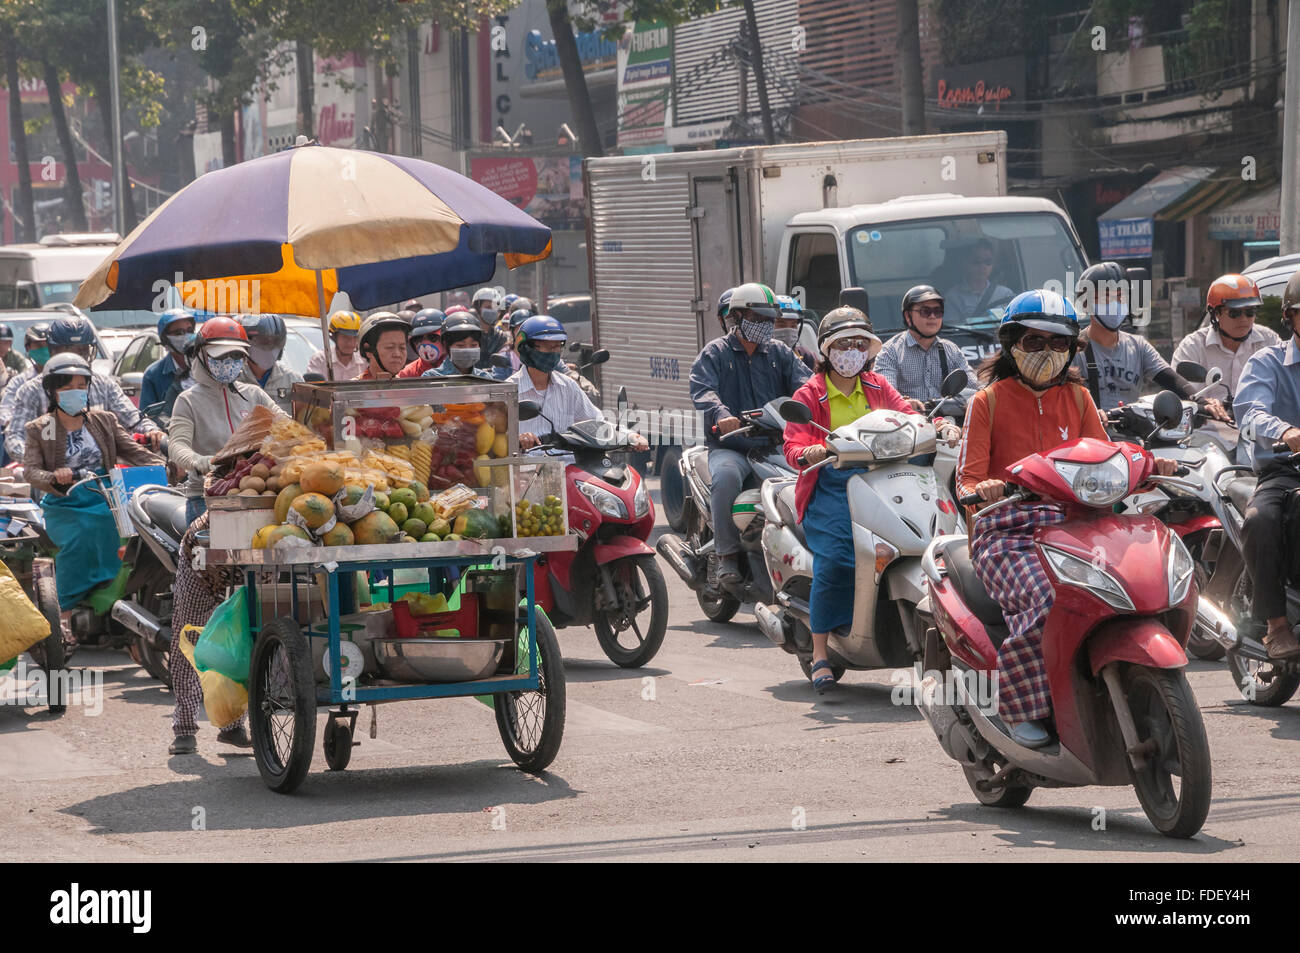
(668, 233)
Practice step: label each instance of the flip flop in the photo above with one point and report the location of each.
(822, 683)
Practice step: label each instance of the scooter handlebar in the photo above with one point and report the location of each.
(971, 499)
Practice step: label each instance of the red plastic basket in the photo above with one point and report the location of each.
(464, 620)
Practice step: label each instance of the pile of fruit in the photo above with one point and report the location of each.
(541, 519)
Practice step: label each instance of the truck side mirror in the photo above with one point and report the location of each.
(854, 298)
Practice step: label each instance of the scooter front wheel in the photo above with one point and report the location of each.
(1174, 783)
(630, 635)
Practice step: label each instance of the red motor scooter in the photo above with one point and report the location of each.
(1113, 644)
(613, 581)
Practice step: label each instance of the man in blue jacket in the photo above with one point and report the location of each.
(739, 371)
(167, 376)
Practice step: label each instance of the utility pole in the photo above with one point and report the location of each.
(1289, 233)
(910, 78)
(760, 79)
(115, 102)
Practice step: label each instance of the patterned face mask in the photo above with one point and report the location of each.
(1040, 367)
(848, 363)
(226, 370)
(759, 332)
(429, 352)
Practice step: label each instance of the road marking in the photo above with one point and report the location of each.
(582, 717)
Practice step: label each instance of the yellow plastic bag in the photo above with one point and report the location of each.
(224, 699)
(21, 624)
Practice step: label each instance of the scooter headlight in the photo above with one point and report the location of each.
(604, 501)
(1097, 484)
(640, 501)
(1074, 571)
(891, 445)
(1182, 570)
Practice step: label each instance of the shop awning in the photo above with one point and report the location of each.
(1255, 218)
(1126, 229)
(1222, 188)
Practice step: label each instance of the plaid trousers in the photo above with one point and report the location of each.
(1005, 561)
(195, 594)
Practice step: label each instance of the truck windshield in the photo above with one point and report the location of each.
(977, 263)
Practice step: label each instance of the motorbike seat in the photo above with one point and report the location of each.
(698, 458)
(167, 510)
(1239, 491)
(961, 570)
(786, 509)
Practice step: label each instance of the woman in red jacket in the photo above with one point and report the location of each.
(840, 392)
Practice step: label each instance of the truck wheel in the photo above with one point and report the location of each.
(672, 493)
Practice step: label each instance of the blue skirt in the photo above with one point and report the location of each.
(82, 526)
(829, 532)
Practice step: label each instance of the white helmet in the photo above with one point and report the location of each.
(752, 296)
(746, 509)
(487, 294)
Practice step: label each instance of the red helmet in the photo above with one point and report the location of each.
(1236, 291)
(218, 336)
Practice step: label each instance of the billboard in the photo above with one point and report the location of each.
(645, 75)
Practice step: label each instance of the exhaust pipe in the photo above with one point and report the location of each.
(1212, 621)
(953, 737)
(677, 555)
(140, 621)
(770, 623)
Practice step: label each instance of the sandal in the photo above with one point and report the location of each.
(822, 683)
(1282, 645)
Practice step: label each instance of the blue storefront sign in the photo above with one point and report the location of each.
(1125, 237)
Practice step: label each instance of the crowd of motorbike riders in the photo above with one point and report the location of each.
(1052, 382)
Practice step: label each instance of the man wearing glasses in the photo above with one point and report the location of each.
(976, 293)
(1232, 337)
(916, 361)
(1120, 367)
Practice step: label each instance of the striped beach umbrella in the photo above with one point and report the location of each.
(283, 233)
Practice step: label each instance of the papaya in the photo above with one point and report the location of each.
(259, 537)
(381, 500)
(354, 493)
(415, 527)
(283, 500)
(315, 508)
(323, 477)
(340, 535)
(406, 496)
(476, 524)
(283, 532)
(375, 527)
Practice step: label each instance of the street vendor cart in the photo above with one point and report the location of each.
(470, 628)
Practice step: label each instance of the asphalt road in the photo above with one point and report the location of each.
(719, 750)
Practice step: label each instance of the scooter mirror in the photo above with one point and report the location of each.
(1191, 371)
(1168, 408)
(1215, 376)
(854, 298)
(528, 409)
(954, 383)
(599, 357)
(500, 360)
(795, 412)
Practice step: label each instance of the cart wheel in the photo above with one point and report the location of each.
(48, 653)
(338, 744)
(532, 723)
(282, 705)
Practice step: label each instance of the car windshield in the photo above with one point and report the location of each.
(298, 348)
(977, 262)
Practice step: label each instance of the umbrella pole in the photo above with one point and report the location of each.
(324, 326)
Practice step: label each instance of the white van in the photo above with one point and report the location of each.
(50, 271)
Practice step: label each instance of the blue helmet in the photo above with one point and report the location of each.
(724, 303)
(509, 299)
(71, 331)
(540, 327)
(426, 321)
(789, 305)
(1042, 311)
(265, 330)
(518, 317)
(170, 317)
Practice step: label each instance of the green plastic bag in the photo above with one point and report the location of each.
(226, 645)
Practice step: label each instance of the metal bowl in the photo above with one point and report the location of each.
(438, 660)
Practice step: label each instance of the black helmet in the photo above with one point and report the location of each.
(6, 333)
(915, 295)
(459, 326)
(1291, 297)
(1094, 275)
(59, 371)
(40, 332)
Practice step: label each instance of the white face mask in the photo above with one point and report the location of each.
(464, 356)
(787, 336)
(848, 363)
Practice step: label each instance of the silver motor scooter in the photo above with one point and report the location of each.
(897, 508)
